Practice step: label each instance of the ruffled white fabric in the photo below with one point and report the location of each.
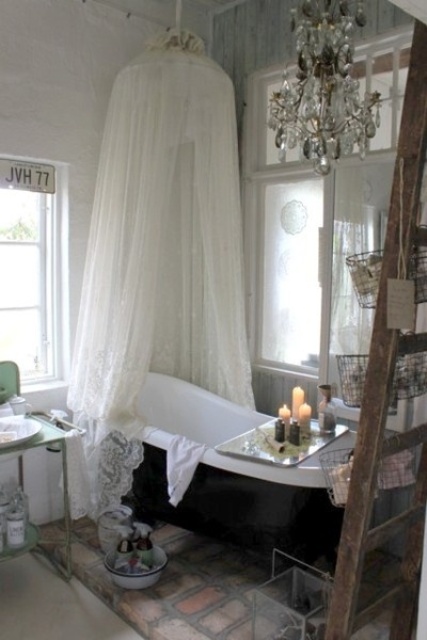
(183, 457)
(118, 458)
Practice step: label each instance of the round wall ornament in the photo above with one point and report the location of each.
(293, 217)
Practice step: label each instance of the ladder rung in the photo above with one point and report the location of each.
(376, 608)
(383, 532)
(406, 440)
(412, 343)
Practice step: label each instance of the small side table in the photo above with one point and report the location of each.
(49, 434)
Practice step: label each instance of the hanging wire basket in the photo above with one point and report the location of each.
(410, 377)
(397, 470)
(365, 272)
(336, 466)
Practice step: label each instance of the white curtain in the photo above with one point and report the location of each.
(354, 225)
(163, 281)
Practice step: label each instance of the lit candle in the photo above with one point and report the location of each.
(285, 415)
(297, 401)
(305, 416)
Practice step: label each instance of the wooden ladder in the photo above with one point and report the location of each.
(357, 536)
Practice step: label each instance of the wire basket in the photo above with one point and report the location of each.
(336, 466)
(410, 377)
(365, 272)
(398, 470)
(395, 471)
(352, 373)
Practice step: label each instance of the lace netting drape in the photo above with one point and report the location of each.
(163, 281)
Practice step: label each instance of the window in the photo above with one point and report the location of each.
(30, 265)
(299, 228)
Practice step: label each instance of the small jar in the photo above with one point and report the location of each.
(16, 529)
(4, 508)
(327, 410)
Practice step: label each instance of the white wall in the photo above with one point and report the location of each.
(58, 61)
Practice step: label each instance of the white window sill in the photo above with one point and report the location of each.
(38, 387)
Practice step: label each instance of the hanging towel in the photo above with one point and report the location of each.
(183, 456)
(78, 476)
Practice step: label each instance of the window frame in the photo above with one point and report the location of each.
(256, 174)
(53, 265)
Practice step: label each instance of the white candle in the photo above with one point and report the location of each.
(285, 415)
(305, 416)
(297, 401)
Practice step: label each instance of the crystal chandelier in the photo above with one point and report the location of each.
(322, 110)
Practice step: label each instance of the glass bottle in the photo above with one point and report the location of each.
(20, 500)
(326, 410)
(16, 530)
(4, 508)
(144, 546)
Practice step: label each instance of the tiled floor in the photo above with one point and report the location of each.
(205, 593)
(36, 603)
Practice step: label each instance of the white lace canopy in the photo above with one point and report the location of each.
(163, 281)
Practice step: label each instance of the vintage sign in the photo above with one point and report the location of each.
(27, 176)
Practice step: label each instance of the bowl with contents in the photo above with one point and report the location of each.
(131, 571)
(15, 430)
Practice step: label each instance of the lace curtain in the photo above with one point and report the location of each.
(354, 225)
(163, 281)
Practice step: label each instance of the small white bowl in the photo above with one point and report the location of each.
(137, 580)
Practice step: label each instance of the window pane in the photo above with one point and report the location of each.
(20, 340)
(362, 196)
(21, 280)
(19, 215)
(292, 295)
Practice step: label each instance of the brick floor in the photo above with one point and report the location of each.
(205, 592)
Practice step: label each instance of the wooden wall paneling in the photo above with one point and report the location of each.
(261, 387)
(218, 38)
(229, 31)
(401, 18)
(261, 49)
(247, 19)
(238, 75)
(385, 16)
(286, 46)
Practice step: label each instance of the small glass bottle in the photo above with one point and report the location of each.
(16, 530)
(327, 410)
(144, 546)
(4, 508)
(20, 500)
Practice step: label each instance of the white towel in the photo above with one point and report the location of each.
(78, 476)
(183, 456)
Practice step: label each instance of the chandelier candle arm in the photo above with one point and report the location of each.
(322, 111)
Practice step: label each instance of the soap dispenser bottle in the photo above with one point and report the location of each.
(144, 546)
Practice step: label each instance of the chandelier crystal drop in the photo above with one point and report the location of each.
(322, 110)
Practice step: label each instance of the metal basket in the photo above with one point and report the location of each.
(336, 466)
(397, 470)
(410, 378)
(365, 272)
(411, 375)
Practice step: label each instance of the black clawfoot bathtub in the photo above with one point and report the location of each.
(252, 504)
